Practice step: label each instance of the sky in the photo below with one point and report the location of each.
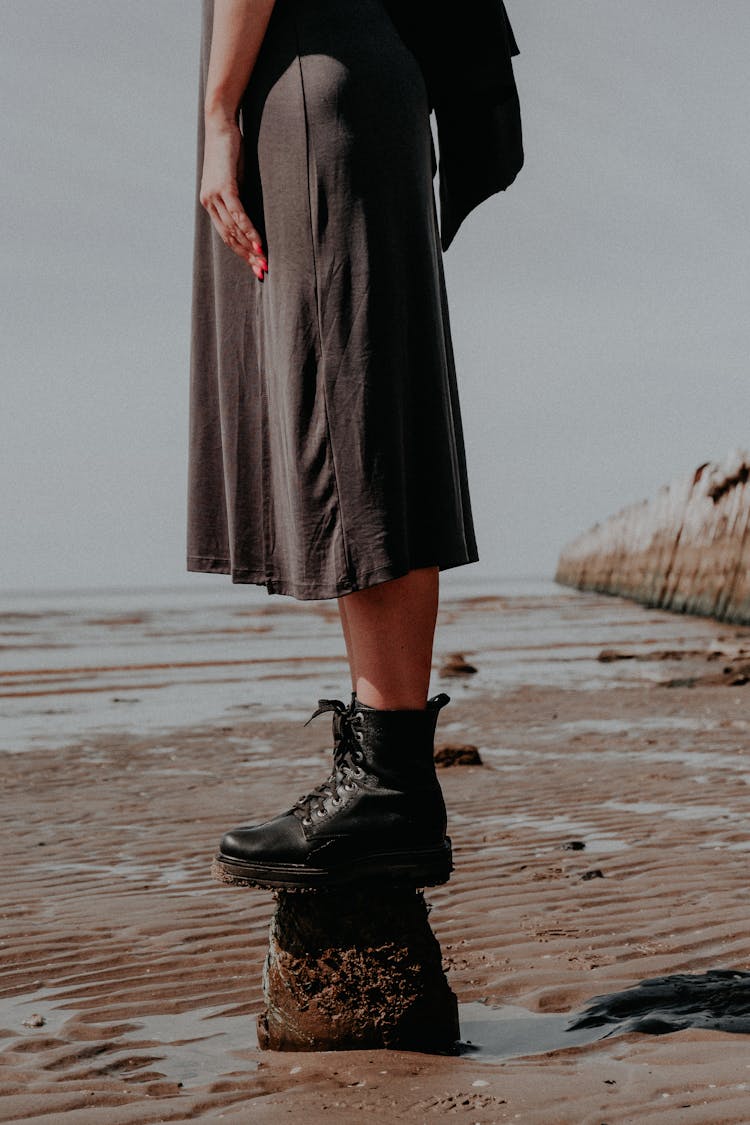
(599, 306)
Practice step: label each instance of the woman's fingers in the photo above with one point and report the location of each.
(238, 233)
(235, 229)
(247, 231)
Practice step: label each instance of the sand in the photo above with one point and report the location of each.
(603, 841)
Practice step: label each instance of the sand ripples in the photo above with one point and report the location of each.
(602, 842)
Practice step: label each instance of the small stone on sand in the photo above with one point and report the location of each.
(448, 754)
(455, 664)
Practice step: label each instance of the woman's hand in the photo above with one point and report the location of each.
(222, 159)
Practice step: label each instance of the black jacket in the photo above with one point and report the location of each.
(465, 53)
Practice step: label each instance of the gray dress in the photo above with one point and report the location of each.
(326, 450)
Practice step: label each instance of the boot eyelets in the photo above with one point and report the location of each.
(349, 787)
(320, 812)
(358, 734)
(307, 821)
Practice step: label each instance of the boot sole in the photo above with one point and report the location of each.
(429, 868)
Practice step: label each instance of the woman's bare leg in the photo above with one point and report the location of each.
(389, 631)
(381, 811)
(348, 641)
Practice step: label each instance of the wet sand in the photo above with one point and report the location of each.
(604, 841)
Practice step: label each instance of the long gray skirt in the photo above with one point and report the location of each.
(326, 451)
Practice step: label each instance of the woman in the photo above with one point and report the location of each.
(326, 446)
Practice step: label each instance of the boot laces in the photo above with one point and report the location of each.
(346, 762)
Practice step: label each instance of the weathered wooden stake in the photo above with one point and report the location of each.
(349, 969)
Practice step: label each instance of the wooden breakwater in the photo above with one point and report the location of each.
(687, 549)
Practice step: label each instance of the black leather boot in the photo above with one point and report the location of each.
(380, 813)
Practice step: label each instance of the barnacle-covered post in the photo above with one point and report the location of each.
(355, 968)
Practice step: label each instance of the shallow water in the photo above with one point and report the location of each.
(194, 1046)
(567, 828)
(717, 1000)
(74, 665)
(495, 1034)
(189, 1047)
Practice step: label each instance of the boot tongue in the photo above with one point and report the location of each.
(341, 756)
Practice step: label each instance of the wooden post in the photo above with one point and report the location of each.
(355, 968)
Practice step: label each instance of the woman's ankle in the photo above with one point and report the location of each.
(388, 701)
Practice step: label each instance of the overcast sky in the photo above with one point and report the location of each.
(599, 307)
